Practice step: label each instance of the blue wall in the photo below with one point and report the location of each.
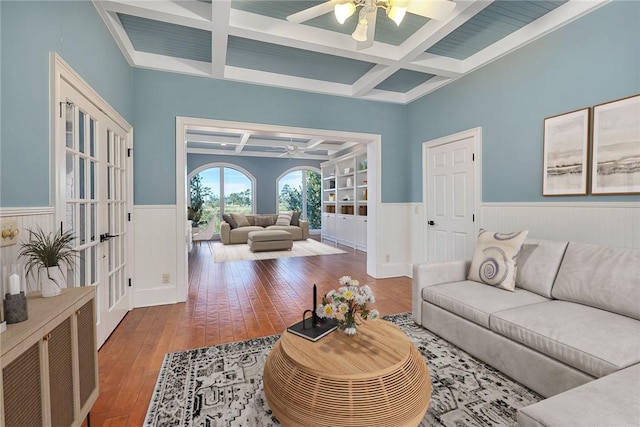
(159, 97)
(29, 31)
(265, 170)
(592, 60)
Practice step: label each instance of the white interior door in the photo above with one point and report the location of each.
(450, 199)
(94, 203)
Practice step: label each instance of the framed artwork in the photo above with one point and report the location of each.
(616, 147)
(566, 154)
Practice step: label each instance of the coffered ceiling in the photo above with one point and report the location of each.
(252, 41)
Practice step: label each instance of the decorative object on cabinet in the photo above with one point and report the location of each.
(616, 147)
(49, 252)
(566, 154)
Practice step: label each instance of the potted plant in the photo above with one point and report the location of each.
(49, 252)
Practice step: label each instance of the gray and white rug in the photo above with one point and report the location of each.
(241, 252)
(222, 386)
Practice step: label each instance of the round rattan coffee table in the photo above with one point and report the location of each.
(375, 378)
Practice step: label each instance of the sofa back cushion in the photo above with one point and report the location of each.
(263, 220)
(601, 277)
(538, 264)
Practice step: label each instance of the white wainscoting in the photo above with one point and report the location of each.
(26, 219)
(394, 233)
(610, 224)
(155, 238)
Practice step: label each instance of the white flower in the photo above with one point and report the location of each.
(344, 280)
(354, 282)
(348, 294)
(331, 293)
(343, 308)
(320, 311)
(372, 299)
(361, 299)
(350, 330)
(367, 290)
(374, 314)
(329, 310)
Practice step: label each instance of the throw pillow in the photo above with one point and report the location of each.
(229, 220)
(284, 218)
(495, 258)
(295, 218)
(263, 220)
(240, 219)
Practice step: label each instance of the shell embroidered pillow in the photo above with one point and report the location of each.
(495, 258)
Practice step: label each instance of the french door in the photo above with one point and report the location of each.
(93, 201)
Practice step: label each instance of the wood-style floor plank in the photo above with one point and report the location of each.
(226, 302)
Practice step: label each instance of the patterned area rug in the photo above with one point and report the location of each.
(309, 247)
(222, 386)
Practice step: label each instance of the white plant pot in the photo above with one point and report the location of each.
(50, 287)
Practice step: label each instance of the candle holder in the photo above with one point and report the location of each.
(312, 328)
(14, 293)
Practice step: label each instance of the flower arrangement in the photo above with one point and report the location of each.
(347, 305)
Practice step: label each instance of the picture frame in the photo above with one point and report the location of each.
(616, 147)
(566, 154)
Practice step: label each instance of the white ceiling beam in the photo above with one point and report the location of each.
(430, 33)
(437, 65)
(189, 14)
(117, 32)
(253, 154)
(243, 141)
(170, 63)
(212, 139)
(313, 143)
(300, 36)
(219, 37)
(560, 16)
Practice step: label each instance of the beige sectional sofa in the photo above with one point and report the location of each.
(229, 236)
(570, 330)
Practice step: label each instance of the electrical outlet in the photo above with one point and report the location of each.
(387, 258)
(166, 278)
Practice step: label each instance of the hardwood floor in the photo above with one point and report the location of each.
(226, 302)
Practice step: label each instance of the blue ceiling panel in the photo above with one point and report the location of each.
(496, 21)
(403, 81)
(257, 55)
(163, 38)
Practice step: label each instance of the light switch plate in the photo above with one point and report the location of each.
(8, 232)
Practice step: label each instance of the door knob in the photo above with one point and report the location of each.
(431, 222)
(104, 237)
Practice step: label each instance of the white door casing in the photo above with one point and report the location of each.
(93, 194)
(451, 195)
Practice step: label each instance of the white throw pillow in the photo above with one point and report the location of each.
(284, 218)
(495, 258)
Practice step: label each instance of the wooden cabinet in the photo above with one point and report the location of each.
(49, 374)
(344, 196)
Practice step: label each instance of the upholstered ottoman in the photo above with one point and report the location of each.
(270, 240)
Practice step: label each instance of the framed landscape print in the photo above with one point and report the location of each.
(566, 154)
(616, 147)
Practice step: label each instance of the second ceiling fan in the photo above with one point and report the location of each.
(365, 30)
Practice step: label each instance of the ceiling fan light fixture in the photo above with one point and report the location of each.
(396, 14)
(344, 10)
(360, 34)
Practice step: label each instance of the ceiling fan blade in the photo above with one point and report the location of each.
(434, 9)
(371, 31)
(312, 12)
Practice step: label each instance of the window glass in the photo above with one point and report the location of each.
(299, 190)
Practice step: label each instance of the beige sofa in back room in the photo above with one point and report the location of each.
(229, 236)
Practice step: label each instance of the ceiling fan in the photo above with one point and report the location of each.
(365, 30)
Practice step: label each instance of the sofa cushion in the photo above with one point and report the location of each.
(296, 232)
(610, 401)
(476, 301)
(263, 220)
(594, 341)
(284, 218)
(538, 264)
(494, 259)
(602, 277)
(295, 218)
(241, 234)
(229, 220)
(240, 219)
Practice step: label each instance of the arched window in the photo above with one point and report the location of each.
(299, 190)
(217, 189)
